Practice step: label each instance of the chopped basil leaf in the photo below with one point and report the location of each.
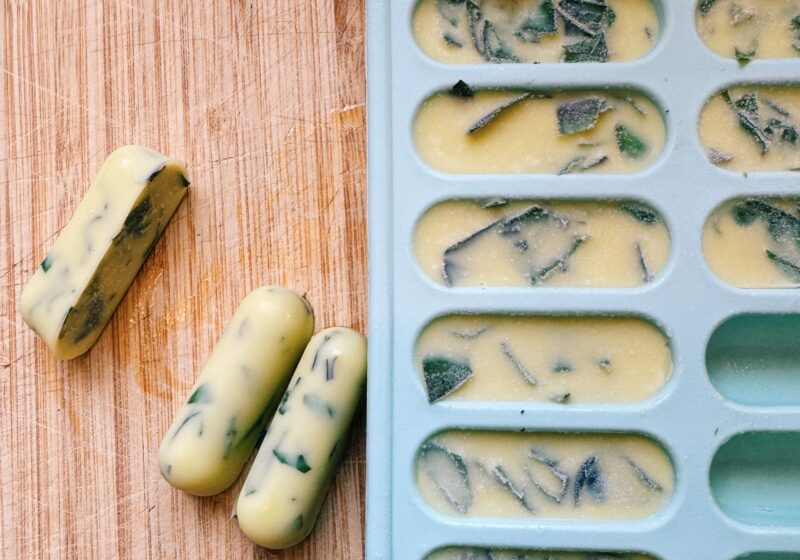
(541, 22)
(592, 49)
(640, 212)
(450, 10)
(201, 395)
(582, 16)
(579, 115)
(706, 5)
(461, 89)
(451, 40)
(560, 263)
(502, 478)
(790, 269)
(443, 376)
(319, 406)
(519, 366)
(47, 263)
(744, 56)
(629, 143)
(448, 472)
(589, 477)
(489, 117)
(646, 275)
(298, 462)
(582, 163)
(646, 479)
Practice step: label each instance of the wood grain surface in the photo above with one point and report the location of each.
(264, 101)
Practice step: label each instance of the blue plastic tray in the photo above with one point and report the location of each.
(689, 416)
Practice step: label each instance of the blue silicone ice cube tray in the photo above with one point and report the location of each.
(737, 467)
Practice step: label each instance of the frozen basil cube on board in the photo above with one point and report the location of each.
(85, 274)
(214, 432)
(287, 484)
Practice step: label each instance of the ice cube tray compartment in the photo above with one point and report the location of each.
(690, 418)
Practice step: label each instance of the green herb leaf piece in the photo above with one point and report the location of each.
(201, 395)
(137, 222)
(519, 366)
(646, 479)
(647, 277)
(583, 16)
(319, 406)
(589, 476)
(561, 398)
(489, 117)
(195, 414)
(541, 22)
(746, 108)
(443, 376)
(560, 263)
(640, 212)
(744, 56)
(706, 5)
(298, 462)
(593, 49)
(450, 10)
(796, 27)
(790, 269)
(605, 365)
(562, 366)
(461, 89)
(469, 334)
(502, 478)
(779, 222)
(494, 48)
(582, 163)
(452, 40)
(579, 115)
(448, 472)
(47, 263)
(562, 478)
(629, 143)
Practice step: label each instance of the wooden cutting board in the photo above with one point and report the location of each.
(264, 100)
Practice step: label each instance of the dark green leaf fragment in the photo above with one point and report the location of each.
(746, 108)
(449, 473)
(443, 376)
(646, 479)
(583, 16)
(779, 222)
(561, 398)
(461, 89)
(47, 263)
(489, 117)
(589, 477)
(558, 494)
(518, 365)
(583, 163)
(186, 420)
(137, 221)
(706, 5)
(450, 10)
(640, 212)
(494, 48)
(297, 523)
(560, 263)
(629, 143)
(604, 364)
(790, 269)
(298, 462)
(452, 40)
(330, 368)
(579, 115)
(89, 313)
(744, 56)
(502, 478)
(201, 395)
(647, 277)
(562, 366)
(184, 181)
(796, 27)
(284, 406)
(319, 406)
(594, 49)
(541, 21)
(504, 225)
(230, 436)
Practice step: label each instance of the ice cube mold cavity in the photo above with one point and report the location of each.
(689, 417)
(755, 478)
